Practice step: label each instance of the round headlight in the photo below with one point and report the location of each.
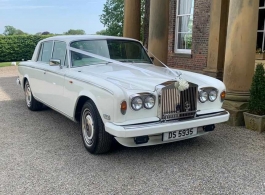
(203, 96)
(137, 103)
(212, 95)
(149, 102)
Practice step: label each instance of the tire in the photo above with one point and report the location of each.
(31, 102)
(96, 140)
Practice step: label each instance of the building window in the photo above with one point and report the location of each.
(184, 23)
(261, 29)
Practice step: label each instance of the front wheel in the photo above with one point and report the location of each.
(95, 138)
(31, 102)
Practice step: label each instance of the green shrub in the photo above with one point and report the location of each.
(18, 47)
(257, 92)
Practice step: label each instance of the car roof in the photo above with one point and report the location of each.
(71, 38)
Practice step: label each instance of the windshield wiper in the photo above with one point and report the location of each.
(126, 61)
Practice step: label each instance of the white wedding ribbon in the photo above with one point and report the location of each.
(123, 64)
(176, 74)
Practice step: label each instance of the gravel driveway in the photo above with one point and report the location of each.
(42, 153)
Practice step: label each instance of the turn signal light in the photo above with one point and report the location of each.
(222, 96)
(123, 107)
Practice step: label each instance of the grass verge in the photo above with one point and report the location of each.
(4, 64)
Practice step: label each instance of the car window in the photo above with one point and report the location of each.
(59, 51)
(40, 52)
(46, 51)
(79, 59)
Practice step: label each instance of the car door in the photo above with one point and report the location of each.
(54, 77)
(36, 73)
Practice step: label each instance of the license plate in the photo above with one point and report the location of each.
(179, 134)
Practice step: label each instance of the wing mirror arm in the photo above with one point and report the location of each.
(55, 62)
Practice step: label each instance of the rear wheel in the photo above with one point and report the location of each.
(95, 138)
(31, 102)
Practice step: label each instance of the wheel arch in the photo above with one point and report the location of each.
(25, 78)
(81, 100)
(79, 105)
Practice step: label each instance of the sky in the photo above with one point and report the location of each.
(54, 16)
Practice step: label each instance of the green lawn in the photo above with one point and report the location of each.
(3, 64)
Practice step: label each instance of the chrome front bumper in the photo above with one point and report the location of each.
(155, 139)
(154, 128)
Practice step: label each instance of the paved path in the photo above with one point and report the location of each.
(42, 153)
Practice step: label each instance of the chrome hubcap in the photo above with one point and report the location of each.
(87, 127)
(28, 95)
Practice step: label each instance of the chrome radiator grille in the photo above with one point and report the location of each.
(178, 105)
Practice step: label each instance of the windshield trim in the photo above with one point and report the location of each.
(110, 39)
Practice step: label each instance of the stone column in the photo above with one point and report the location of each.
(146, 23)
(132, 19)
(217, 38)
(240, 56)
(158, 29)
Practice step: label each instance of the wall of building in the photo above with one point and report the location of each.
(197, 61)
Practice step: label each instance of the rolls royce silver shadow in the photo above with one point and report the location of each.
(112, 88)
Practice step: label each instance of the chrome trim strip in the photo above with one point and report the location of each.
(91, 83)
(159, 123)
(68, 76)
(46, 70)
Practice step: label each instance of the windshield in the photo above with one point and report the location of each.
(120, 50)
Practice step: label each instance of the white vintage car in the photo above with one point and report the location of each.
(111, 86)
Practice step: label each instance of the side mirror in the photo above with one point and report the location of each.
(55, 62)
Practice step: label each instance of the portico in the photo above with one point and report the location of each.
(231, 43)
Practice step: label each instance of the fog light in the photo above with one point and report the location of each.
(141, 140)
(209, 128)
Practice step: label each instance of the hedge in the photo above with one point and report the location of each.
(18, 47)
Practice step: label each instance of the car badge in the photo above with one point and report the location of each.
(187, 106)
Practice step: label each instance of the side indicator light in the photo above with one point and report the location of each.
(123, 107)
(223, 96)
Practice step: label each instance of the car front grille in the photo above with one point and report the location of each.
(178, 105)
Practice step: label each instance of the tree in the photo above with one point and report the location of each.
(113, 17)
(102, 32)
(257, 92)
(75, 32)
(45, 33)
(20, 32)
(10, 30)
